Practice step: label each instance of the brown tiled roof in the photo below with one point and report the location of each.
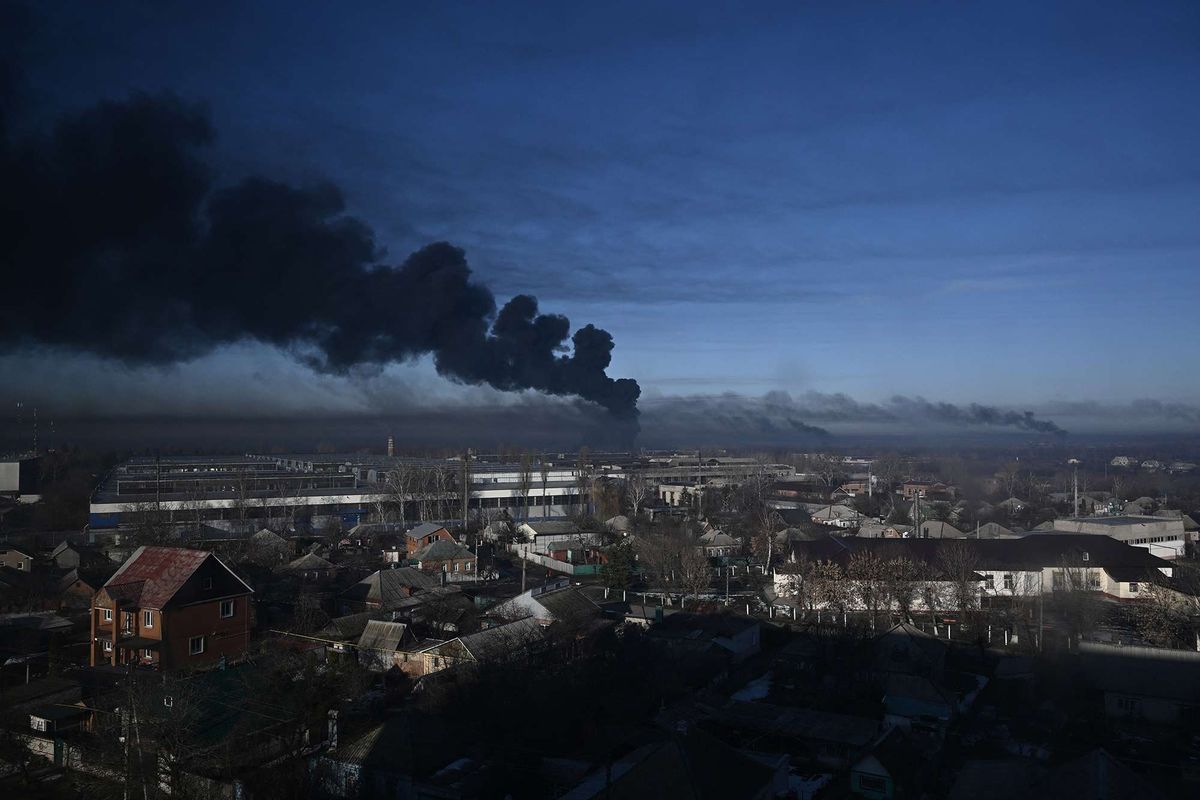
(152, 575)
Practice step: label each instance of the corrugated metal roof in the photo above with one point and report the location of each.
(380, 636)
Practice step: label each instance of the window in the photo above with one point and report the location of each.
(148, 654)
(1133, 587)
(872, 783)
(1128, 705)
(38, 724)
(147, 619)
(196, 645)
(208, 584)
(1009, 581)
(108, 615)
(456, 566)
(20, 565)
(226, 609)
(106, 646)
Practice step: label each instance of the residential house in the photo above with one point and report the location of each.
(914, 699)
(16, 559)
(890, 770)
(836, 516)
(936, 529)
(310, 568)
(418, 538)
(1013, 505)
(545, 536)
(992, 530)
(927, 490)
(70, 556)
(512, 641)
(1143, 685)
(384, 645)
(78, 587)
(342, 633)
(448, 557)
(883, 530)
(718, 544)
(557, 601)
(384, 589)
(391, 759)
(737, 635)
(268, 548)
(441, 611)
(905, 649)
(169, 607)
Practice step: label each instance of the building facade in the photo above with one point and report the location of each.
(171, 608)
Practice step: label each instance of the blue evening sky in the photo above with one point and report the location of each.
(993, 202)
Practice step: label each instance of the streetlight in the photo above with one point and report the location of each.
(1074, 462)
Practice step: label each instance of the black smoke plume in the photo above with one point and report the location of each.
(738, 416)
(115, 241)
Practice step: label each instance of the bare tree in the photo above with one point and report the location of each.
(658, 554)
(525, 483)
(637, 490)
(1076, 595)
(829, 588)
(902, 582)
(1165, 617)
(464, 487)
(583, 470)
(544, 473)
(957, 561)
(695, 573)
(829, 468)
(868, 577)
(887, 470)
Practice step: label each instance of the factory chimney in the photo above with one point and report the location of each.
(391, 447)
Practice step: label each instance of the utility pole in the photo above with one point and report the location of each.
(1074, 462)
(1041, 607)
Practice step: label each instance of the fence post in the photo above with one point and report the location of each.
(747, 609)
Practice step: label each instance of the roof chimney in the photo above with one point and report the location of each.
(391, 447)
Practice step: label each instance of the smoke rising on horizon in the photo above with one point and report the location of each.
(117, 243)
(779, 412)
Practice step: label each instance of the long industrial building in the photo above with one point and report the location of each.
(313, 490)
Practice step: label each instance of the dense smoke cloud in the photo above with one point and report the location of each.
(116, 242)
(779, 411)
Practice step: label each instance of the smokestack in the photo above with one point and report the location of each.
(391, 447)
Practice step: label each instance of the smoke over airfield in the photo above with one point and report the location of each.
(117, 243)
(780, 416)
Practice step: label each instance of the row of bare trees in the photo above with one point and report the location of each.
(882, 584)
(437, 492)
(673, 561)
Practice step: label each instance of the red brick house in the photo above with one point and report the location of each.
(424, 535)
(171, 608)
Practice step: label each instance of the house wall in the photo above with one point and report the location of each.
(865, 777)
(15, 559)
(744, 644)
(1136, 707)
(414, 546)
(227, 637)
